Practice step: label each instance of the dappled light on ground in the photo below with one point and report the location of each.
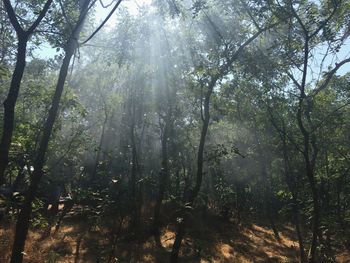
(212, 240)
(76, 242)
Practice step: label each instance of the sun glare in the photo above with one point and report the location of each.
(131, 5)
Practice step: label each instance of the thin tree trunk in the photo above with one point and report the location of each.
(194, 192)
(309, 167)
(315, 225)
(10, 102)
(164, 174)
(9, 106)
(298, 230)
(267, 205)
(134, 167)
(19, 178)
(94, 172)
(134, 188)
(267, 198)
(293, 188)
(309, 147)
(200, 154)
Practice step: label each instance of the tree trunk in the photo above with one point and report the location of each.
(24, 215)
(298, 230)
(293, 188)
(200, 154)
(94, 172)
(22, 226)
(266, 183)
(134, 167)
(315, 225)
(193, 192)
(164, 174)
(19, 178)
(267, 199)
(134, 187)
(293, 182)
(10, 102)
(309, 167)
(9, 106)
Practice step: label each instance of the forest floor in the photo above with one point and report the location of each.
(209, 239)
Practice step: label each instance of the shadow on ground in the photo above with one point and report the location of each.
(209, 239)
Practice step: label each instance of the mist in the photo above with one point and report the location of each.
(174, 131)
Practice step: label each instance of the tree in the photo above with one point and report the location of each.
(310, 31)
(23, 36)
(24, 215)
(227, 49)
(181, 115)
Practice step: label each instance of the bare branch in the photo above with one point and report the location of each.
(329, 77)
(103, 23)
(107, 5)
(296, 83)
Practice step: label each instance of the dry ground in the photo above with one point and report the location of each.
(209, 240)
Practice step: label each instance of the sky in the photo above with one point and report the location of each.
(132, 6)
(46, 52)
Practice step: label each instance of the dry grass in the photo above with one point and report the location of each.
(343, 258)
(208, 240)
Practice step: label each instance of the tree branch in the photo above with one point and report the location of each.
(296, 83)
(107, 5)
(329, 76)
(328, 116)
(306, 32)
(234, 56)
(324, 22)
(12, 16)
(246, 7)
(103, 23)
(40, 17)
(65, 15)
